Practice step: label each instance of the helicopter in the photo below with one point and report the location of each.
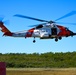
(45, 30)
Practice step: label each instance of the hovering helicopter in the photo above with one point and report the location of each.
(46, 30)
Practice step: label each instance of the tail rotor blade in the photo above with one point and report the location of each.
(1, 18)
(7, 22)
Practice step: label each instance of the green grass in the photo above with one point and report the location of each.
(41, 71)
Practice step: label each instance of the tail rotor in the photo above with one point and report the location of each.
(2, 21)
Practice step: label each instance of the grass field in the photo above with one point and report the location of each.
(41, 71)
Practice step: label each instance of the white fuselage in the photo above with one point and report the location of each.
(49, 31)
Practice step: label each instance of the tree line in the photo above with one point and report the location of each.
(36, 60)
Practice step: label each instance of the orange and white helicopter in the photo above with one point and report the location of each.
(46, 30)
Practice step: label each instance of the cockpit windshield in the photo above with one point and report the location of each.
(67, 29)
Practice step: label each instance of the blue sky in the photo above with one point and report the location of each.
(43, 9)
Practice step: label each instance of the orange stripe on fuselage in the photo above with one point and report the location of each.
(30, 32)
(63, 31)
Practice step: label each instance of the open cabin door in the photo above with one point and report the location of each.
(54, 31)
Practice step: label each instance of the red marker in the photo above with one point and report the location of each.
(2, 68)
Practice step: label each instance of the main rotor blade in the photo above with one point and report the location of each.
(22, 16)
(67, 15)
(66, 23)
(37, 25)
(56, 22)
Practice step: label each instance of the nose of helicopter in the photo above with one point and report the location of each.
(72, 33)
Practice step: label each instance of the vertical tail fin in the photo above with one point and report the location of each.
(5, 30)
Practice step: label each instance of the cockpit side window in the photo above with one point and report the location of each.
(66, 29)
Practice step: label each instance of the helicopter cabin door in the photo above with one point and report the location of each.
(54, 31)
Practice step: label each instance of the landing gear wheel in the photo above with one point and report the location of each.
(34, 41)
(60, 38)
(56, 39)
